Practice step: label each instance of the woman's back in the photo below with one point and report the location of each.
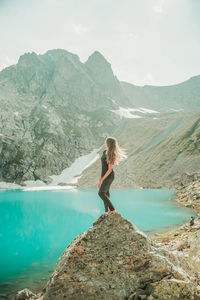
(104, 164)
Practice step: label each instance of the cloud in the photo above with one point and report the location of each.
(158, 8)
(80, 29)
(132, 35)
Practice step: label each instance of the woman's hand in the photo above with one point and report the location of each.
(100, 183)
(105, 175)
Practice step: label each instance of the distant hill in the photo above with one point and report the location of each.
(54, 108)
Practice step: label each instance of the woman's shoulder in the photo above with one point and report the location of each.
(104, 153)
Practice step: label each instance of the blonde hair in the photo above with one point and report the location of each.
(115, 154)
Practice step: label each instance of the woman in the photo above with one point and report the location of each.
(111, 156)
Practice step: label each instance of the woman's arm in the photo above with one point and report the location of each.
(107, 173)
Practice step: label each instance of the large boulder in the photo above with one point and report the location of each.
(194, 253)
(115, 260)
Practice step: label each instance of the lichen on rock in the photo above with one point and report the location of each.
(115, 260)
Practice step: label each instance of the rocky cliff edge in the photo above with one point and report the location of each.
(115, 260)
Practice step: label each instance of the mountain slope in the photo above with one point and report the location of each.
(159, 152)
(182, 96)
(101, 72)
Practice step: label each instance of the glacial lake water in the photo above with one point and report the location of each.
(36, 226)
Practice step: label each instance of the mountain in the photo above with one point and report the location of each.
(182, 96)
(101, 72)
(54, 108)
(57, 77)
(52, 112)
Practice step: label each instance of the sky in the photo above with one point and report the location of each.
(154, 42)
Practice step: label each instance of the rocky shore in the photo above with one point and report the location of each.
(188, 194)
(185, 239)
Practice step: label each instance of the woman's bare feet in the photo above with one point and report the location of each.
(111, 211)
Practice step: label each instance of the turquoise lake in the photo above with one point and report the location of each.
(36, 226)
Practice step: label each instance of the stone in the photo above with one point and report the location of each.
(115, 260)
(165, 240)
(194, 253)
(172, 289)
(183, 245)
(25, 294)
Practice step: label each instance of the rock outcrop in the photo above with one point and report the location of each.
(188, 191)
(115, 260)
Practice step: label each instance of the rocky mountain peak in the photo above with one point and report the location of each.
(29, 58)
(115, 260)
(97, 57)
(56, 54)
(47, 60)
(99, 68)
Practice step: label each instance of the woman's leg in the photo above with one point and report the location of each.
(104, 192)
(106, 204)
(108, 194)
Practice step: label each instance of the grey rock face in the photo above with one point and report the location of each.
(52, 112)
(115, 260)
(188, 193)
(101, 72)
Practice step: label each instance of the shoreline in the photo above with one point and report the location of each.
(183, 231)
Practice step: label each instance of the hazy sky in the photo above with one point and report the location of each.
(146, 41)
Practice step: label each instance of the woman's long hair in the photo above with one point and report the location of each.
(115, 154)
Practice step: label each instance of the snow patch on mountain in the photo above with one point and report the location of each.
(150, 111)
(173, 109)
(67, 176)
(73, 173)
(128, 112)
